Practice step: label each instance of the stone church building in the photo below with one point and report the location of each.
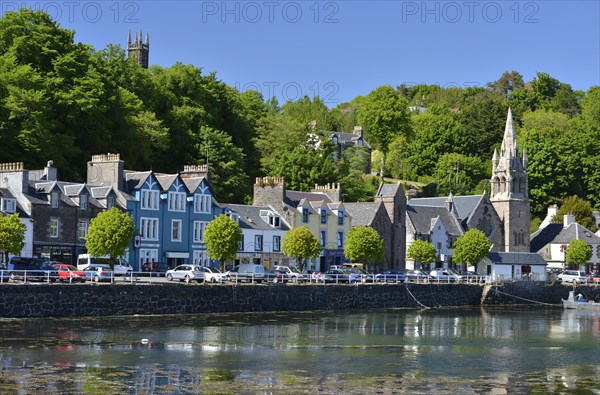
(503, 216)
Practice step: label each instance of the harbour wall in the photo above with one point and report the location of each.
(81, 300)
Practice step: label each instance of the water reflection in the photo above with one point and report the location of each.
(312, 352)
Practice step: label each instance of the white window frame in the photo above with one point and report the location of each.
(82, 228)
(258, 242)
(200, 258)
(147, 256)
(9, 205)
(275, 221)
(54, 199)
(149, 199)
(149, 228)
(199, 229)
(176, 230)
(340, 239)
(83, 202)
(177, 201)
(202, 203)
(54, 227)
(276, 243)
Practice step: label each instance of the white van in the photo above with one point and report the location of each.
(247, 272)
(119, 268)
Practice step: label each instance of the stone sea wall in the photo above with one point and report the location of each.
(54, 300)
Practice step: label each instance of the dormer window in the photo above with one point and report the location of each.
(110, 202)
(202, 203)
(149, 199)
(274, 221)
(233, 216)
(9, 205)
(323, 216)
(340, 217)
(54, 199)
(305, 214)
(335, 140)
(83, 202)
(177, 201)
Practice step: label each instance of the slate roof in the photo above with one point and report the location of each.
(544, 236)
(165, 180)
(558, 234)
(464, 205)
(388, 190)
(293, 198)
(74, 189)
(135, 179)
(519, 258)
(100, 192)
(363, 214)
(421, 217)
(6, 193)
(250, 217)
(193, 183)
(349, 138)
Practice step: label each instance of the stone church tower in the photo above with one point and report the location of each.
(138, 50)
(510, 191)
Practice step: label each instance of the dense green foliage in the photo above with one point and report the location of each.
(363, 244)
(422, 252)
(471, 247)
(578, 253)
(12, 235)
(581, 209)
(110, 233)
(66, 101)
(301, 244)
(222, 237)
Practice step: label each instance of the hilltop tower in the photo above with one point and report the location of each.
(510, 191)
(139, 50)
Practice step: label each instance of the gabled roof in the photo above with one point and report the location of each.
(100, 192)
(363, 214)
(73, 189)
(250, 217)
(516, 258)
(165, 180)
(544, 236)
(349, 138)
(293, 198)
(135, 179)
(192, 183)
(421, 217)
(464, 205)
(388, 190)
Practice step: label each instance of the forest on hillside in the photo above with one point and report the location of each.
(67, 101)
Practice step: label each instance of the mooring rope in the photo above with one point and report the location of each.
(413, 296)
(525, 299)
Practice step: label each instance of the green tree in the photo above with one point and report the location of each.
(471, 247)
(459, 174)
(422, 252)
(507, 83)
(110, 233)
(301, 244)
(12, 235)
(483, 121)
(305, 166)
(578, 253)
(581, 209)
(363, 244)
(222, 237)
(384, 113)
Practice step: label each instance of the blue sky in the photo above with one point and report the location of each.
(342, 49)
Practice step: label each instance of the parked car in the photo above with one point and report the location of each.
(69, 273)
(334, 276)
(472, 277)
(119, 268)
(31, 269)
(445, 275)
(418, 276)
(572, 276)
(356, 275)
(293, 273)
(394, 275)
(247, 272)
(98, 273)
(276, 276)
(186, 273)
(212, 274)
(155, 267)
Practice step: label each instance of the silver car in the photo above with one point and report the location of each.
(445, 275)
(98, 273)
(186, 273)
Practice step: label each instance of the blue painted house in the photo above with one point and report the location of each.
(170, 211)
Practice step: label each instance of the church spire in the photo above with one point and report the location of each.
(509, 142)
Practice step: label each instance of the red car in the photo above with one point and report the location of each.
(69, 273)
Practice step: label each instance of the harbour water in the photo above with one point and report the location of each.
(450, 350)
